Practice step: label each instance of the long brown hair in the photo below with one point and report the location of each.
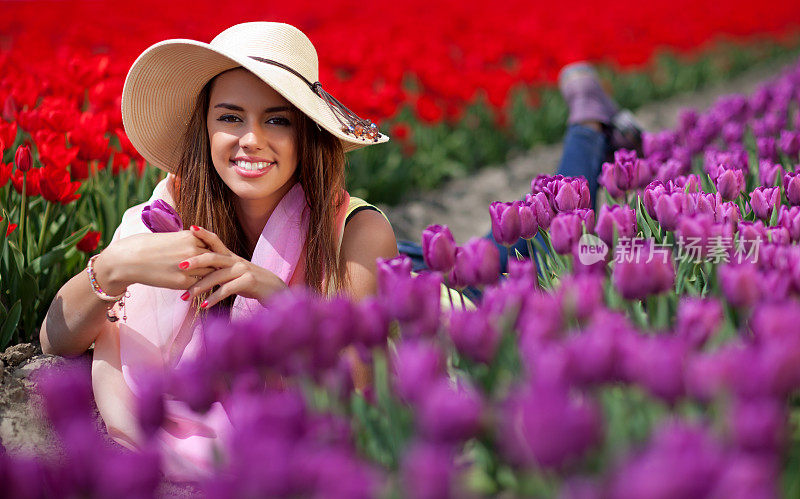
(203, 199)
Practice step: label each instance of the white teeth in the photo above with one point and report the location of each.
(254, 166)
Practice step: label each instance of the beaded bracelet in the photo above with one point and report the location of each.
(111, 315)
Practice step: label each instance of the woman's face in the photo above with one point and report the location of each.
(252, 132)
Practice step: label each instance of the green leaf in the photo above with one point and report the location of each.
(10, 324)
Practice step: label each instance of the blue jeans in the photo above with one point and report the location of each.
(584, 152)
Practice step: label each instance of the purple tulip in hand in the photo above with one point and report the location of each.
(159, 216)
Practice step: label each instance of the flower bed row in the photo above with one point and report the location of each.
(650, 350)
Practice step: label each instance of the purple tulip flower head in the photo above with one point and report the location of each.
(791, 187)
(505, 222)
(428, 471)
(474, 334)
(529, 223)
(732, 133)
(751, 233)
(767, 148)
(789, 219)
(789, 143)
(765, 200)
(769, 172)
(667, 208)
(730, 183)
(566, 229)
(697, 320)
(448, 413)
(619, 218)
(545, 425)
(541, 207)
(643, 270)
(758, 425)
(571, 193)
(657, 364)
(416, 365)
(391, 271)
(477, 264)
(740, 283)
(439, 248)
(160, 216)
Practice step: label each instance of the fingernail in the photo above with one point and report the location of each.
(185, 296)
(194, 227)
(184, 265)
(204, 304)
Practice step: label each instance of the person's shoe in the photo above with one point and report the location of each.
(585, 97)
(588, 101)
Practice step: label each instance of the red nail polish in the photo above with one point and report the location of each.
(194, 227)
(204, 304)
(185, 296)
(183, 265)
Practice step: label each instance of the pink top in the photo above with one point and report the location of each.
(157, 337)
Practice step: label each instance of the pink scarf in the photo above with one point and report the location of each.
(158, 335)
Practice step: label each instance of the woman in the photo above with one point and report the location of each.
(255, 149)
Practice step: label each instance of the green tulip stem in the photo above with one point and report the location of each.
(45, 220)
(23, 209)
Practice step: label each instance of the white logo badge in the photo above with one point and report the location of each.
(591, 249)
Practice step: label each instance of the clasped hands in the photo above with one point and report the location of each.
(234, 275)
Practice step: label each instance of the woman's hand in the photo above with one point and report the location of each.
(152, 260)
(234, 275)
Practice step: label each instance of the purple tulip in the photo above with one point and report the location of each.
(767, 148)
(150, 406)
(416, 365)
(789, 143)
(449, 414)
(636, 278)
(505, 222)
(159, 216)
(775, 321)
(758, 425)
(428, 471)
(581, 295)
(791, 187)
(544, 425)
(415, 302)
(751, 233)
(679, 461)
(687, 120)
(765, 200)
(439, 248)
(619, 218)
(571, 194)
(528, 221)
(769, 172)
(789, 219)
(477, 264)
(565, 230)
(371, 326)
(541, 207)
(740, 284)
(746, 476)
(667, 209)
(730, 183)
(657, 363)
(621, 175)
(732, 133)
(697, 320)
(651, 194)
(760, 99)
(595, 354)
(474, 334)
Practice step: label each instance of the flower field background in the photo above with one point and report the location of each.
(668, 367)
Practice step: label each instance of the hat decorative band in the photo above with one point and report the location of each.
(351, 123)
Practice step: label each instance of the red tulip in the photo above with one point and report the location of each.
(5, 173)
(89, 242)
(31, 184)
(23, 158)
(10, 228)
(56, 186)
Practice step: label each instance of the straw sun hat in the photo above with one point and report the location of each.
(162, 86)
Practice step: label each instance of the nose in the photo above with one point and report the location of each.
(253, 138)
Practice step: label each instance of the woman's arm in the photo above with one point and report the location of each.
(367, 237)
(76, 316)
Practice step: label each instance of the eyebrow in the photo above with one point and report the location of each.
(234, 107)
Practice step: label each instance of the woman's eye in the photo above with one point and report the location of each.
(279, 120)
(228, 118)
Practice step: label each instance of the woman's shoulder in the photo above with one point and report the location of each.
(367, 231)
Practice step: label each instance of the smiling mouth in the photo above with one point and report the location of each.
(253, 166)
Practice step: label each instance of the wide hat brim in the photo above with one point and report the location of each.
(162, 86)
